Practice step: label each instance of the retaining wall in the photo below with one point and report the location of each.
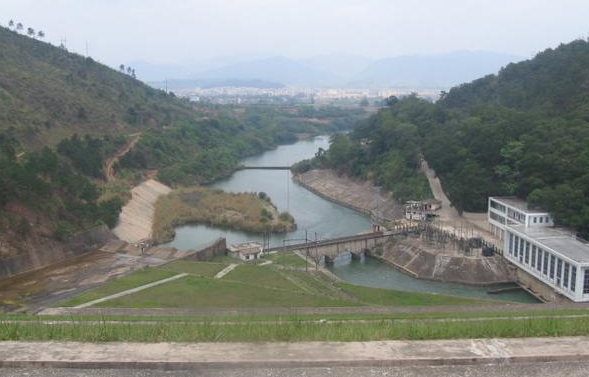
(219, 247)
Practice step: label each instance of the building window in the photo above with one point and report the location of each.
(496, 217)
(510, 244)
(539, 264)
(533, 256)
(497, 206)
(527, 252)
(586, 282)
(566, 275)
(559, 272)
(535, 219)
(573, 278)
(541, 220)
(547, 219)
(552, 260)
(521, 250)
(545, 265)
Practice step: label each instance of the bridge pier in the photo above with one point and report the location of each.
(358, 255)
(328, 260)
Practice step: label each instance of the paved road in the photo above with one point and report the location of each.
(569, 369)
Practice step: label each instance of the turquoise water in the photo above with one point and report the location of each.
(319, 217)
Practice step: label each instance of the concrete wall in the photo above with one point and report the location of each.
(538, 288)
(423, 264)
(80, 243)
(219, 247)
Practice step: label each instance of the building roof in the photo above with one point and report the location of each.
(517, 203)
(557, 239)
(246, 248)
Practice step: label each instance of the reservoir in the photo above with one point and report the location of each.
(319, 218)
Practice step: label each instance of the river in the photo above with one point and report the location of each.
(319, 218)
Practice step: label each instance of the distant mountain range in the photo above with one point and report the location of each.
(334, 70)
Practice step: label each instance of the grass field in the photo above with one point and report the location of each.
(287, 259)
(292, 331)
(198, 292)
(136, 279)
(201, 269)
(251, 286)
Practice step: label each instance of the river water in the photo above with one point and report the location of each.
(319, 218)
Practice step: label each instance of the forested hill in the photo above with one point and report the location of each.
(47, 93)
(63, 116)
(555, 82)
(523, 132)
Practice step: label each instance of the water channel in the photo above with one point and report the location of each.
(319, 218)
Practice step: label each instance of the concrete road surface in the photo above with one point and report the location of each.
(569, 369)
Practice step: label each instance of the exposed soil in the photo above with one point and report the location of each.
(109, 172)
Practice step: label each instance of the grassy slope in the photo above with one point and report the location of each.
(251, 286)
(46, 94)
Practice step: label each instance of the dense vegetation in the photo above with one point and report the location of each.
(383, 148)
(63, 115)
(523, 132)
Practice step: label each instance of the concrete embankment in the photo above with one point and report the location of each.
(414, 257)
(136, 218)
(360, 196)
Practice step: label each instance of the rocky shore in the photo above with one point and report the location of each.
(363, 197)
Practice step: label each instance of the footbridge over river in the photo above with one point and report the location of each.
(356, 244)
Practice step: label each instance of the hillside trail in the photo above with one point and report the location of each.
(109, 173)
(469, 222)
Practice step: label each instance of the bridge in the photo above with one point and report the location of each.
(264, 167)
(356, 244)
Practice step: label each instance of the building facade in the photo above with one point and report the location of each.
(510, 211)
(553, 256)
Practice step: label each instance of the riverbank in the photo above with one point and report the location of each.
(248, 212)
(136, 217)
(359, 196)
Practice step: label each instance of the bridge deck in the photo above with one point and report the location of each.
(264, 168)
(335, 241)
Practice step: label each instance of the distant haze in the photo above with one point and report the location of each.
(337, 39)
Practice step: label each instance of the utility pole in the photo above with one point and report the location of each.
(307, 252)
(288, 191)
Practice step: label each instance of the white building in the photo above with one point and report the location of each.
(554, 256)
(508, 211)
(247, 251)
(551, 255)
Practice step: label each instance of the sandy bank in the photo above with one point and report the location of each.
(136, 218)
(360, 196)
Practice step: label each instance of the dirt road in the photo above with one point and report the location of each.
(109, 173)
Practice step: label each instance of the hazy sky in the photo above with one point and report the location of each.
(183, 30)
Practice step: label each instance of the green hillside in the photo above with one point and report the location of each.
(523, 132)
(63, 116)
(47, 94)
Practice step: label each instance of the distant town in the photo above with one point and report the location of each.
(292, 95)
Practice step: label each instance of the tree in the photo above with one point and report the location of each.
(41, 34)
(122, 68)
(11, 24)
(129, 70)
(19, 26)
(31, 32)
(133, 73)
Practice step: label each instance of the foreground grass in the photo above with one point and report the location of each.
(241, 211)
(134, 280)
(293, 331)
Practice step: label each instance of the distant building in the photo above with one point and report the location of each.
(415, 210)
(554, 256)
(421, 210)
(247, 251)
